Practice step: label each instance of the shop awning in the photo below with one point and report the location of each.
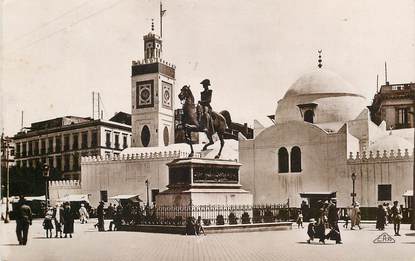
(39, 198)
(322, 194)
(408, 193)
(74, 198)
(135, 198)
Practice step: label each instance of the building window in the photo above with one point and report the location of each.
(124, 141)
(59, 163)
(402, 114)
(76, 162)
(94, 139)
(58, 144)
(295, 159)
(66, 164)
(384, 192)
(282, 160)
(84, 140)
(18, 163)
(50, 145)
(117, 140)
(24, 163)
(43, 147)
(154, 193)
(17, 150)
(104, 195)
(36, 147)
(309, 116)
(24, 146)
(30, 151)
(166, 136)
(66, 142)
(50, 162)
(108, 139)
(145, 136)
(75, 141)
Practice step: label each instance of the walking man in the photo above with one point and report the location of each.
(23, 221)
(333, 219)
(100, 214)
(396, 214)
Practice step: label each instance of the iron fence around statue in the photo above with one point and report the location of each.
(216, 214)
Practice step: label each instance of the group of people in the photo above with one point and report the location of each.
(195, 226)
(385, 214)
(59, 216)
(327, 218)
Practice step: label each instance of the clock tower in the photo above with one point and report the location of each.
(152, 90)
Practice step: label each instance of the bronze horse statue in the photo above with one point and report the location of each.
(191, 121)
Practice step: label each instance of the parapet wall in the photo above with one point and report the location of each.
(153, 60)
(64, 183)
(380, 156)
(138, 156)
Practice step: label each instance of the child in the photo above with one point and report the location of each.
(300, 219)
(311, 232)
(47, 223)
(346, 220)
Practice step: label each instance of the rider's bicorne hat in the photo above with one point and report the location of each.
(205, 82)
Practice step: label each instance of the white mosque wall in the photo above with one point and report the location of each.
(374, 168)
(125, 174)
(61, 188)
(323, 158)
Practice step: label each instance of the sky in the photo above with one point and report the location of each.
(55, 53)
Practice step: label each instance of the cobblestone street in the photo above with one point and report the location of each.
(88, 244)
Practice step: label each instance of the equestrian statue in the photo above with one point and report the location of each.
(201, 118)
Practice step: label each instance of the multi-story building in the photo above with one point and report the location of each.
(394, 104)
(62, 141)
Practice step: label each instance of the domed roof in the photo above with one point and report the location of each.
(390, 142)
(320, 82)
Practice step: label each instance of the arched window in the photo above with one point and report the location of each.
(309, 116)
(145, 136)
(282, 160)
(295, 159)
(166, 136)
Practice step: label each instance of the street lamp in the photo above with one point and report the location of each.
(5, 143)
(353, 193)
(413, 176)
(45, 170)
(148, 201)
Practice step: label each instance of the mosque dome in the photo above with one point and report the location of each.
(390, 142)
(325, 94)
(320, 82)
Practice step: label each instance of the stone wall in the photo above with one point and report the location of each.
(372, 169)
(62, 188)
(126, 174)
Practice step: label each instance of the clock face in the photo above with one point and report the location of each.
(167, 88)
(145, 94)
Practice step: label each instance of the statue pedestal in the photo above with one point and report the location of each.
(201, 181)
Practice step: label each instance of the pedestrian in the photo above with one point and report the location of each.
(311, 230)
(47, 223)
(355, 216)
(396, 216)
(68, 220)
(320, 229)
(346, 219)
(199, 226)
(380, 218)
(100, 214)
(57, 217)
(110, 211)
(300, 219)
(388, 213)
(83, 214)
(23, 220)
(333, 220)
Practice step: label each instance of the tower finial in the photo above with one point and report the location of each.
(152, 25)
(319, 59)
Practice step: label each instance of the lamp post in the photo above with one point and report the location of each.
(413, 176)
(353, 193)
(5, 144)
(148, 200)
(45, 170)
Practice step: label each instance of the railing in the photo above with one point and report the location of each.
(210, 214)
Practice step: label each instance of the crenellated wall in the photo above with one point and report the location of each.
(126, 174)
(375, 168)
(62, 188)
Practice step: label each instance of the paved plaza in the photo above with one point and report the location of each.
(88, 244)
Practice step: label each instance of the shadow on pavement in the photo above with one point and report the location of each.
(315, 244)
(10, 245)
(408, 242)
(410, 234)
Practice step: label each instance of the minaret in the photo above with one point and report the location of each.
(152, 92)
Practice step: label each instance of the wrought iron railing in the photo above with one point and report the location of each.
(210, 214)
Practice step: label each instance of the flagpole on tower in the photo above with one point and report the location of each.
(161, 19)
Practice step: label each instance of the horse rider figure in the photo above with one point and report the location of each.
(205, 99)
